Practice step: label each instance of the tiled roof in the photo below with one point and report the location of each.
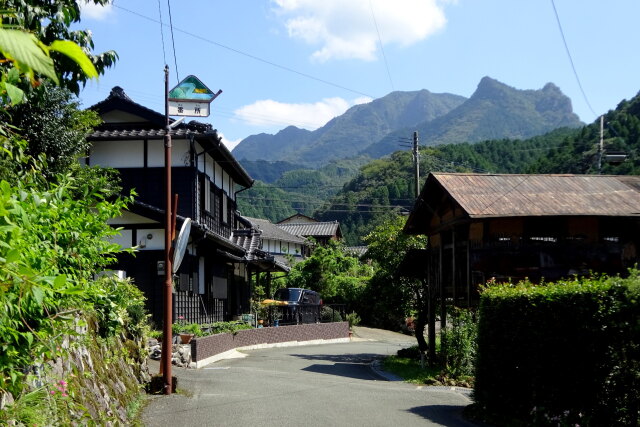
(139, 133)
(275, 232)
(356, 251)
(324, 229)
(153, 127)
(249, 239)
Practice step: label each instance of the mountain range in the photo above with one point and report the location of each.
(495, 110)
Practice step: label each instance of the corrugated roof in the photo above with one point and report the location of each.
(271, 231)
(483, 195)
(327, 229)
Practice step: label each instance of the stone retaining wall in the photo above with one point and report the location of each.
(212, 345)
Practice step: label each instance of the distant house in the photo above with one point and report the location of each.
(304, 226)
(212, 282)
(482, 227)
(279, 242)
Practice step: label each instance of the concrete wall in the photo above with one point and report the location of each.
(212, 345)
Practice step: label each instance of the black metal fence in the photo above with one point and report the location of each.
(304, 313)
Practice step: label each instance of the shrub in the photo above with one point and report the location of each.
(353, 319)
(564, 353)
(328, 314)
(460, 343)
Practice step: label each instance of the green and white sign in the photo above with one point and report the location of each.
(191, 97)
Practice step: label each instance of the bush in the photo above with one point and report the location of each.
(353, 319)
(460, 343)
(328, 314)
(564, 353)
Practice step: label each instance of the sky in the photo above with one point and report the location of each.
(303, 62)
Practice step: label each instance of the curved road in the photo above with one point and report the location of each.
(319, 385)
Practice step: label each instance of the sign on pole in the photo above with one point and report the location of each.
(191, 98)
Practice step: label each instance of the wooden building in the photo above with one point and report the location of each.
(510, 227)
(212, 284)
(306, 227)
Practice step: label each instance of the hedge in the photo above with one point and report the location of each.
(562, 353)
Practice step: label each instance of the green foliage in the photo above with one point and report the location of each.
(353, 319)
(388, 298)
(47, 45)
(575, 344)
(119, 304)
(203, 330)
(336, 275)
(410, 370)
(53, 238)
(293, 190)
(51, 120)
(328, 314)
(460, 340)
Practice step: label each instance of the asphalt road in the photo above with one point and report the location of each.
(319, 385)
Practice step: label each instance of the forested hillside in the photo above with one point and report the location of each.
(386, 185)
(348, 134)
(494, 111)
(294, 190)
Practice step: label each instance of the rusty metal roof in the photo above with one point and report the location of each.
(486, 195)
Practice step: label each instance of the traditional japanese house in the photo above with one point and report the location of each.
(212, 281)
(512, 227)
(304, 226)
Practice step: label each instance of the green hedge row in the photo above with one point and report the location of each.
(562, 353)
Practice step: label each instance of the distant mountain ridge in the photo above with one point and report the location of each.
(494, 111)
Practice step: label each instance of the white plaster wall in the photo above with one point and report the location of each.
(123, 238)
(131, 218)
(155, 154)
(218, 177)
(156, 242)
(210, 166)
(119, 154)
(179, 153)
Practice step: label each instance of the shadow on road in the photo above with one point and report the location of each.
(347, 370)
(442, 414)
(341, 358)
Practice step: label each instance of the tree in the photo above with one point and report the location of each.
(392, 296)
(37, 34)
(337, 276)
(52, 122)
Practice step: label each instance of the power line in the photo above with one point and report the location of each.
(375, 22)
(573, 67)
(248, 55)
(173, 41)
(164, 55)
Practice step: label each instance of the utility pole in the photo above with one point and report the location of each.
(168, 255)
(416, 163)
(601, 146)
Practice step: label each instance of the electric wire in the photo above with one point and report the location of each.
(384, 56)
(573, 67)
(248, 55)
(173, 42)
(164, 55)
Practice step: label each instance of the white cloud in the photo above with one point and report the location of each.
(307, 116)
(346, 29)
(94, 11)
(229, 143)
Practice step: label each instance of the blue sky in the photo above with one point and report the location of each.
(302, 62)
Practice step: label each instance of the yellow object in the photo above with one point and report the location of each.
(274, 302)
